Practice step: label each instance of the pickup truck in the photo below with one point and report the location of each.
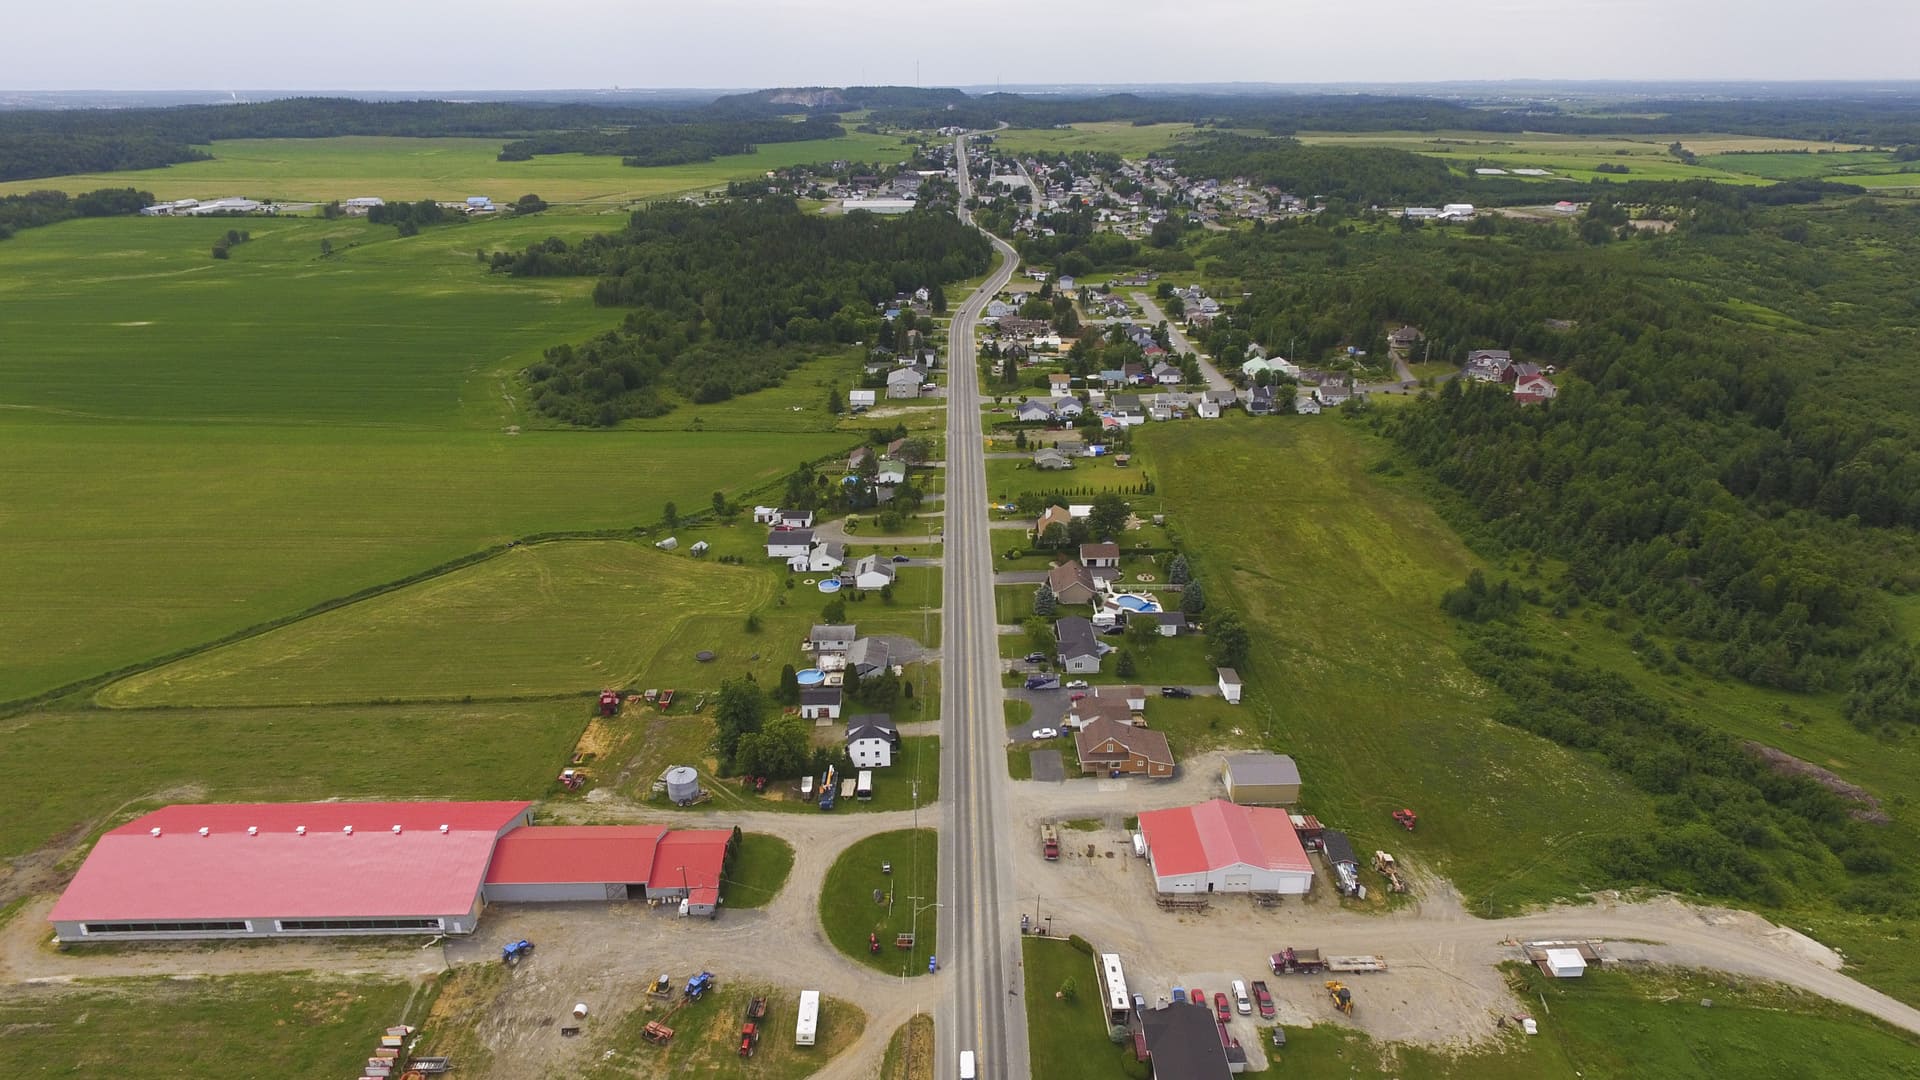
(1262, 1000)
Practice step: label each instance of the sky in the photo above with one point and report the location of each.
(535, 44)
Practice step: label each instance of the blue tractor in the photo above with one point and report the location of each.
(699, 985)
(516, 952)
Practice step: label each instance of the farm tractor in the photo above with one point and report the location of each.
(516, 952)
(1341, 997)
(1406, 818)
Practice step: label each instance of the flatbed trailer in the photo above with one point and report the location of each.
(1356, 965)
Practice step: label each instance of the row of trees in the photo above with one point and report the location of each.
(728, 297)
(37, 208)
(671, 144)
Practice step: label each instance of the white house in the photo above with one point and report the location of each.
(1033, 410)
(904, 383)
(891, 472)
(1067, 407)
(826, 556)
(1207, 409)
(831, 637)
(765, 515)
(793, 519)
(872, 572)
(1306, 404)
(862, 399)
(1229, 685)
(1219, 846)
(871, 741)
(820, 703)
(787, 543)
(1079, 649)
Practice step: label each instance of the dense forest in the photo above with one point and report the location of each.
(32, 155)
(1356, 174)
(37, 208)
(728, 297)
(676, 144)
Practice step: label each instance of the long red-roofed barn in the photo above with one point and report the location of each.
(1219, 846)
(370, 868)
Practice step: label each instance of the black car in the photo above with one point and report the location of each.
(1175, 691)
(1036, 658)
(900, 558)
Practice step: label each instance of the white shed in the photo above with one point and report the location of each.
(1566, 963)
(1229, 685)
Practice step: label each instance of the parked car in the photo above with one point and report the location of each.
(1196, 995)
(1240, 999)
(1036, 658)
(1222, 1008)
(899, 558)
(1175, 692)
(1046, 733)
(1077, 684)
(1077, 695)
(1043, 682)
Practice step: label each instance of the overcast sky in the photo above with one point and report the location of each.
(532, 44)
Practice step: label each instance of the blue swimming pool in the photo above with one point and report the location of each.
(810, 676)
(1136, 603)
(830, 585)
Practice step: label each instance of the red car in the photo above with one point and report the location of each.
(1197, 996)
(1222, 1008)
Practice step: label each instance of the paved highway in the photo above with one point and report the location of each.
(979, 932)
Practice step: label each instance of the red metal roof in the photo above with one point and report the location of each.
(1219, 834)
(699, 854)
(278, 872)
(550, 854)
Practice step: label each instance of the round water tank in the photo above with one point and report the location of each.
(683, 784)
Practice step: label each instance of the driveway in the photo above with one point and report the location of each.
(1019, 577)
(1047, 766)
(1178, 339)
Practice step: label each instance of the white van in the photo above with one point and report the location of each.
(966, 1065)
(1240, 999)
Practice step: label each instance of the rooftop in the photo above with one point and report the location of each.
(1217, 834)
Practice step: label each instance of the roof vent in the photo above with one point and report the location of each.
(153, 832)
(443, 828)
(300, 830)
(253, 830)
(348, 829)
(396, 830)
(204, 830)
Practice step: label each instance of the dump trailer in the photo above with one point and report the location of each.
(1291, 961)
(1049, 841)
(1356, 965)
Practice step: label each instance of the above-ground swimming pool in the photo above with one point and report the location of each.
(830, 585)
(1136, 603)
(810, 676)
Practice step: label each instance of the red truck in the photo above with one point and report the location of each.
(1050, 841)
(1262, 1000)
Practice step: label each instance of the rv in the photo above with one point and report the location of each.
(864, 789)
(809, 1023)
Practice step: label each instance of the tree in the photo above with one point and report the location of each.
(835, 405)
(783, 748)
(1020, 439)
(1040, 636)
(720, 503)
(753, 622)
(1069, 990)
(881, 690)
(937, 298)
(1193, 599)
(1109, 517)
(835, 611)
(326, 247)
(672, 515)
(1143, 633)
(529, 204)
(1044, 602)
(886, 593)
(788, 692)
(737, 713)
(1125, 668)
(1229, 639)
(1056, 536)
(1177, 571)
(915, 450)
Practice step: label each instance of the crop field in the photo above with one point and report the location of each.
(1574, 157)
(407, 168)
(1109, 136)
(216, 1029)
(86, 766)
(1410, 726)
(197, 446)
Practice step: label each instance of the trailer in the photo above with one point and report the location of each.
(1049, 841)
(1292, 961)
(1356, 965)
(1181, 903)
(863, 789)
(1262, 999)
(807, 1026)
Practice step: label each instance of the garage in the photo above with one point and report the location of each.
(1219, 846)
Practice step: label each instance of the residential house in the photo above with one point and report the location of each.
(1060, 383)
(1136, 374)
(1134, 695)
(1332, 394)
(1534, 389)
(858, 455)
(1053, 515)
(999, 309)
(1167, 375)
(871, 740)
(1072, 583)
(787, 543)
(793, 519)
(1113, 748)
(1404, 338)
(1306, 404)
(1049, 459)
(820, 703)
(1488, 365)
(765, 515)
(1520, 369)
(1034, 411)
(1260, 401)
(869, 656)
(1079, 649)
(1088, 709)
(825, 557)
(872, 572)
(1113, 377)
(831, 637)
(1167, 623)
(890, 472)
(1067, 408)
(862, 399)
(1182, 1043)
(1100, 555)
(1208, 409)
(904, 383)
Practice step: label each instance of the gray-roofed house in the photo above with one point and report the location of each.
(869, 656)
(786, 543)
(832, 637)
(1100, 555)
(1263, 779)
(1167, 623)
(1066, 407)
(1183, 1043)
(871, 741)
(872, 572)
(1079, 648)
(1071, 583)
(904, 383)
(1049, 459)
(1488, 365)
(820, 703)
(1033, 410)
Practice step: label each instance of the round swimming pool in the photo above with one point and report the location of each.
(1136, 603)
(810, 676)
(830, 585)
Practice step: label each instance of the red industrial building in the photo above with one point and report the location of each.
(369, 868)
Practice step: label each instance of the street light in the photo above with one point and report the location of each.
(915, 924)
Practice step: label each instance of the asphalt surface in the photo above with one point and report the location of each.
(981, 1010)
(1178, 339)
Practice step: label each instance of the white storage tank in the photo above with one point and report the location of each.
(683, 784)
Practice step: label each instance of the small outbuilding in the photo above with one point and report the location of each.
(1229, 685)
(1263, 780)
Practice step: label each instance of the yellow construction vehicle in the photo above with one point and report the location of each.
(1341, 996)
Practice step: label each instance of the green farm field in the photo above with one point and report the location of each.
(536, 621)
(213, 1028)
(1409, 725)
(1108, 136)
(90, 768)
(199, 446)
(347, 167)
(1575, 156)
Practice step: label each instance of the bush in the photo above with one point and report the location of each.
(1080, 943)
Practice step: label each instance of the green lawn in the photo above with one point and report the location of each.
(1008, 479)
(88, 767)
(1109, 136)
(849, 914)
(760, 869)
(1575, 156)
(305, 1025)
(1608, 1025)
(707, 1035)
(1358, 676)
(407, 168)
(1020, 762)
(1071, 1040)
